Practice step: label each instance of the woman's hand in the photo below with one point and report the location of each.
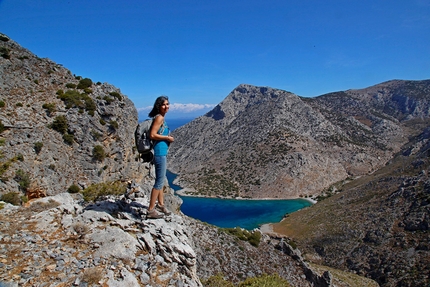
(170, 139)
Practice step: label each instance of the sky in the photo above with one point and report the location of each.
(197, 52)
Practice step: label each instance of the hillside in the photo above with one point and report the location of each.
(377, 226)
(59, 129)
(262, 142)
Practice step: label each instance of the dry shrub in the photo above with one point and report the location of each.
(80, 228)
(92, 275)
(42, 206)
(35, 192)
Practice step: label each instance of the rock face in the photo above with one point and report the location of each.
(261, 142)
(377, 226)
(60, 129)
(62, 240)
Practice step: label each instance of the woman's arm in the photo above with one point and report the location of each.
(156, 124)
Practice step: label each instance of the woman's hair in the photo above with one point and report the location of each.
(157, 105)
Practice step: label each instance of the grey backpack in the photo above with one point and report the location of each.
(143, 142)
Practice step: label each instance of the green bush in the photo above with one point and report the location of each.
(23, 179)
(12, 198)
(2, 104)
(264, 280)
(60, 124)
(70, 86)
(108, 99)
(73, 99)
(94, 191)
(253, 237)
(116, 95)
(73, 189)
(88, 91)
(19, 104)
(23, 198)
(38, 147)
(99, 153)
(68, 139)
(84, 83)
(50, 108)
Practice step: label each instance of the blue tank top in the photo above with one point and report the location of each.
(161, 148)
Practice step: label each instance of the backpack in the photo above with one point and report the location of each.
(143, 142)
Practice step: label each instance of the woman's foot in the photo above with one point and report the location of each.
(153, 214)
(163, 209)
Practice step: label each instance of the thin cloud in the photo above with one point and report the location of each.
(182, 108)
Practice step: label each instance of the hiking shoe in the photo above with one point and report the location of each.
(163, 209)
(153, 214)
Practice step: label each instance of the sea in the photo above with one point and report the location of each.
(231, 213)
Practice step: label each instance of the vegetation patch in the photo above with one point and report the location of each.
(23, 179)
(95, 191)
(99, 153)
(253, 237)
(273, 280)
(38, 147)
(49, 107)
(13, 198)
(73, 189)
(74, 99)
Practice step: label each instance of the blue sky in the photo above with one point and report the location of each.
(196, 52)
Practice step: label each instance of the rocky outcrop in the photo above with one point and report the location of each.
(63, 240)
(59, 129)
(59, 239)
(261, 142)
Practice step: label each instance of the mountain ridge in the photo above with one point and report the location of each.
(295, 146)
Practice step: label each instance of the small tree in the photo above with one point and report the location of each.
(84, 83)
(60, 124)
(38, 147)
(99, 153)
(23, 179)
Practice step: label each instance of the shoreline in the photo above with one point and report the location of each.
(182, 192)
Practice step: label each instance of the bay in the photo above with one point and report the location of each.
(230, 213)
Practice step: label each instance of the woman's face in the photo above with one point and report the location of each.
(164, 107)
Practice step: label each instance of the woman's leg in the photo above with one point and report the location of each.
(160, 176)
(155, 194)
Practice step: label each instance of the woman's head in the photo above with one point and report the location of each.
(159, 102)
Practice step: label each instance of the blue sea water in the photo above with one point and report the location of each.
(176, 123)
(230, 213)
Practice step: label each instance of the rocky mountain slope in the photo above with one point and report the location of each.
(261, 142)
(58, 129)
(378, 225)
(66, 241)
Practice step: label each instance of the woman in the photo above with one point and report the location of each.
(160, 135)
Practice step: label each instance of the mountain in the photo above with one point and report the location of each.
(363, 153)
(66, 144)
(59, 129)
(261, 142)
(378, 225)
